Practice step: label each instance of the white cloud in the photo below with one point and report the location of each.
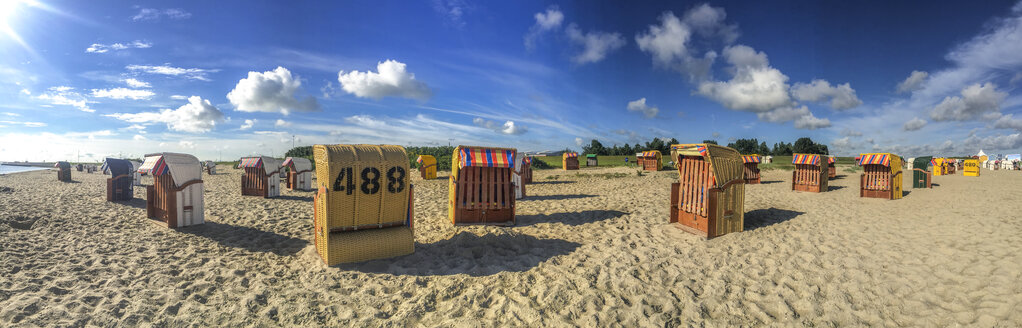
(579, 141)
(26, 124)
(977, 102)
(595, 45)
(166, 69)
(671, 43)
(99, 48)
(914, 124)
(270, 91)
(178, 97)
(153, 14)
(248, 124)
(641, 107)
(851, 133)
(784, 114)
(11, 114)
(1008, 122)
(122, 93)
(186, 144)
(64, 95)
(545, 21)
(810, 122)
(754, 86)
(197, 116)
(26, 92)
(139, 137)
(453, 11)
(508, 127)
(841, 96)
(913, 82)
(390, 80)
(282, 123)
(134, 83)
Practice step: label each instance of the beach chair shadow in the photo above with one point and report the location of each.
(832, 188)
(470, 254)
(905, 193)
(556, 197)
(568, 218)
(134, 202)
(756, 219)
(291, 197)
(247, 238)
(769, 182)
(552, 182)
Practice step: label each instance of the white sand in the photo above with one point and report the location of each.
(586, 251)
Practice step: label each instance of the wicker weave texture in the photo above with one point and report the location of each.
(362, 185)
(364, 245)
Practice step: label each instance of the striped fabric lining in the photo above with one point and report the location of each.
(154, 165)
(482, 157)
(811, 159)
(881, 159)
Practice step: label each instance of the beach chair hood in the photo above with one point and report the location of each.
(726, 163)
(181, 167)
(268, 164)
(117, 167)
(298, 164)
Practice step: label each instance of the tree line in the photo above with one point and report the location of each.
(803, 145)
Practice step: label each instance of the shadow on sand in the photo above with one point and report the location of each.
(134, 202)
(554, 182)
(556, 197)
(769, 182)
(467, 253)
(905, 193)
(291, 197)
(250, 239)
(756, 219)
(568, 218)
(832, 188)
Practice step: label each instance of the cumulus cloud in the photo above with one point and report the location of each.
(671, 43)
(134, 83)
(851, 133)
(914, 124)
(248, 124)
(64, 95)
(139, 137)
(122, 93)
(166, 69)
(508, 127)
(391, 80)
(810, 122)
(754, 86)
(1008, 122)
(178, 97)
(99, 48)
(641, 107)
(579, 141)
(545, 21)
(841, 96)
(197, 116)
(913, 82)
(595, 45)
(282, 124)
(784, 114)
(153, 14)
(270, 91)
(977, 102)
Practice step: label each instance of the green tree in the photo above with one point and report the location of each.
(301, 151)
(763, 149)
(745, 146)
(806, 145)
(595, 147)
(712, 142)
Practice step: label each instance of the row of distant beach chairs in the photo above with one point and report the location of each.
(363, 203)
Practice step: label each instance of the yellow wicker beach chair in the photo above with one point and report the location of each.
(427, 166)
(481, 188)
(881, 177)
(709, 199)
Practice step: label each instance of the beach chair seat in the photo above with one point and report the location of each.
(175, 199)
(651, 160)
(427, 166)
(569, 161)
(63, 171)
(750, 165)
(363, 206)
(709, 198)
(119, 185)
(481, 187)
(299, 174)
(831, 167)
(810, 174)
(881, 176)
(261, 177)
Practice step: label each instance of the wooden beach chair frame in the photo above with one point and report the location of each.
(831, 167)
(481, 188)
(170, 201)
(119, 185)
(921, 178)
(810, 174)
(569, 161)
(63, 171)
(526, 170)
(701, 203)
(651, 160)
(299, 174)
(592, 160)
(258, 179)
(427, 166)
(750, 167)
(363, 206)
(881, 176)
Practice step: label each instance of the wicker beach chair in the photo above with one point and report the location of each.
(119, 185)
(175, 199)
(363, 207)
(831, 168)
(427, 166)
(591, 160)
(750, 163)
(569, 161)
(810, 173)
(261, 177)
(921, 177)
(650, 160)
(480, 186)
(881, 176)
(971, 168)
(63, 171)
(709, 198)
(299, 173)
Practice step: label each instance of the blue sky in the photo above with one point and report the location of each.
(228, 79)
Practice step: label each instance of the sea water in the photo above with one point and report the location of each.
(5, 169)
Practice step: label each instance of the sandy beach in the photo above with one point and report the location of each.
(587, 251)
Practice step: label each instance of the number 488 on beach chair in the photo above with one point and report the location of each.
(363, 206)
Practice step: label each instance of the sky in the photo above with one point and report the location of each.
(83, 80)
